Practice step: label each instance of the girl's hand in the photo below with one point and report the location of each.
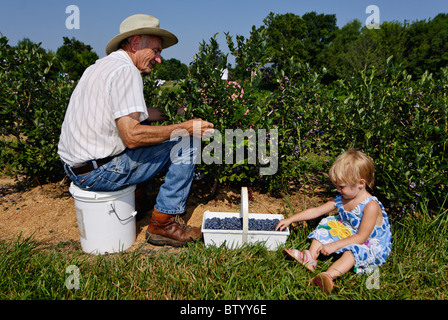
(282, 224)
(327, 249)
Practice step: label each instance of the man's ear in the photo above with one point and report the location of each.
(135, 43)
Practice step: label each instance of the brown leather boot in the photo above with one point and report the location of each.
(166, 229)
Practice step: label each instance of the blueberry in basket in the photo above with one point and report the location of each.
(235, 223)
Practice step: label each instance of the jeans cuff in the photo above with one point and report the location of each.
(170, 212)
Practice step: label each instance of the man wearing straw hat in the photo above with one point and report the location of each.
(104, 143)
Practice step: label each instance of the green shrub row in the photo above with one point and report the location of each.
(33, 102)
(399, 121)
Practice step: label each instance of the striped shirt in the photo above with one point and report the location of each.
(109, 89)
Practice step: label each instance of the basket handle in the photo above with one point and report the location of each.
(245, 212)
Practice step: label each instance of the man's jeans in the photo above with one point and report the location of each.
(136, 166)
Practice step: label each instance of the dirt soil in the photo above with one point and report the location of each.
(47, 212)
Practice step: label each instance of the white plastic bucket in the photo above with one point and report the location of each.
(106, 220)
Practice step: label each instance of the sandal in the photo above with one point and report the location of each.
(324, 281)
(304, 257)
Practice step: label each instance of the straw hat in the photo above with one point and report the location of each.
(140, 24)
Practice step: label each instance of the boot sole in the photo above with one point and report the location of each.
(162, 241)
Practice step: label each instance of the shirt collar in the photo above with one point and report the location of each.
(122, 53)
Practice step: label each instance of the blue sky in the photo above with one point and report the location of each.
(191, 20)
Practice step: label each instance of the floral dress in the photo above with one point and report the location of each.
(368, 255)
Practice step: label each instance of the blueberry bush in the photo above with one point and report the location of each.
(33, 99)
(397, 119)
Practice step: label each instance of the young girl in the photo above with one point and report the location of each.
(360, 232)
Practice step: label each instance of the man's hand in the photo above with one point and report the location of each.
(198, 127)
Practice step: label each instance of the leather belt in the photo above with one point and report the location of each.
(89, 166)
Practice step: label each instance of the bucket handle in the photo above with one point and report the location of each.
(122, 220)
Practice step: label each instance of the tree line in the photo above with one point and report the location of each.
(314, 39)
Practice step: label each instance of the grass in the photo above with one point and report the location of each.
(416, 269)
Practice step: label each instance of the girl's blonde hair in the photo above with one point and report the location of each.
(351, 166)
